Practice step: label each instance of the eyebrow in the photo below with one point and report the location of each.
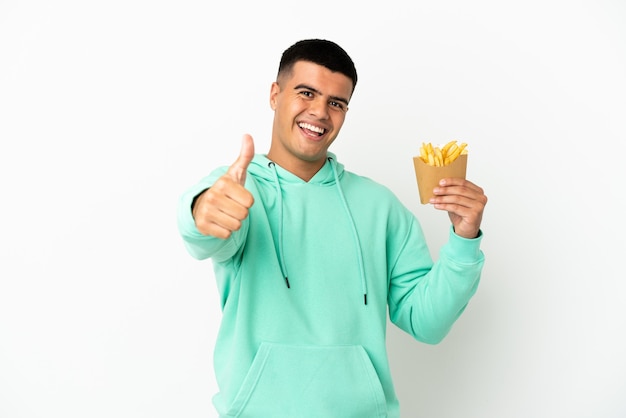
(335, 98)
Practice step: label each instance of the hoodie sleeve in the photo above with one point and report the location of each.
(202, 246)
(426, 298)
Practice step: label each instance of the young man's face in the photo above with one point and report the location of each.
(310, 106)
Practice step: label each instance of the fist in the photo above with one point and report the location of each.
(221, 209)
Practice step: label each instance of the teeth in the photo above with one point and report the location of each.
(312, 128)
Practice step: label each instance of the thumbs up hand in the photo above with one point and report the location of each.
(220, 210)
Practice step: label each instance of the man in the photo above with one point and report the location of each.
(308, 257)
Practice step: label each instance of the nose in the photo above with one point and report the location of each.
(319, 108)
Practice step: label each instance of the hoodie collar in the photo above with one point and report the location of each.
(325, 176)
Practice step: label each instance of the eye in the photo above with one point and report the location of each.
(337, 105)
(306, 93)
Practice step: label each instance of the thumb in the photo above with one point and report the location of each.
(237, 171)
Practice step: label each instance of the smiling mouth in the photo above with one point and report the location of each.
(312, 128)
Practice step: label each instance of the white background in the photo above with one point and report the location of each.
(110, 110)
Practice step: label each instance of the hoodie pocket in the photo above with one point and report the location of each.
(310, 381)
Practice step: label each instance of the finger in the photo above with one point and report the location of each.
(230, 219)
(461, 196)
(214, 230)
(454, 198)
(237, 171)
(234, 191)
(454, 181)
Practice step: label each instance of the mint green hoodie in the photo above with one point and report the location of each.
(305, 285)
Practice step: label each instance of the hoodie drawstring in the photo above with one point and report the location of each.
(279, 196)
(355, 235)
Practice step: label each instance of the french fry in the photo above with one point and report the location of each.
(446, 147)
(424, 153)
(438, 157)
(431, 158)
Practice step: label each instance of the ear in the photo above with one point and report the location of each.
(274, 90)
